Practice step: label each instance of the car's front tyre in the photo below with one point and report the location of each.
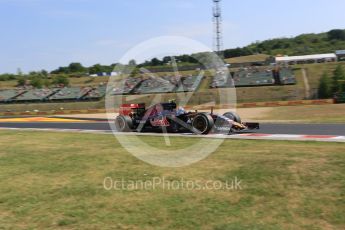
(203, 123)
(233, 116)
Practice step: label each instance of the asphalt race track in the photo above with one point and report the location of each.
(298, 129)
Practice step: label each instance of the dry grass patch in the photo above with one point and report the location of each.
(306, 114)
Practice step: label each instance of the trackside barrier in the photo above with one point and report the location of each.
(240, 105)
(286, 103)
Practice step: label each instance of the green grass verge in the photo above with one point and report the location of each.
(54, 180)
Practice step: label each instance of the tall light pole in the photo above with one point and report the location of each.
(217, 24)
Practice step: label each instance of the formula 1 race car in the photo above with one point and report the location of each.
(167, 117)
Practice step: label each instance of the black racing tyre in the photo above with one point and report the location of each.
(233, 116)
(203, 122)
(123, 123)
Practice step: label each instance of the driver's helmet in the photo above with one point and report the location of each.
(180, 111)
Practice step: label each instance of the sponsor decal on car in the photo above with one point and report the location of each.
(223, 128)
(160, 121)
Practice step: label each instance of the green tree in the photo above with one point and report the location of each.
(336, 35)
(21, 81)
(60, 70)
(7, 77)
(338, 84)
(76, 67)
(36, 82)
(95, 69)
(132, 62)
(3, 77)
(47, 83)
(61, 80)
(33, 74)
(44, 73)
(325, 87)
(166, 59)
(155, 62)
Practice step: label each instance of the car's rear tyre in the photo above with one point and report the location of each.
(203, 122)
(123, 123)
(233, 116)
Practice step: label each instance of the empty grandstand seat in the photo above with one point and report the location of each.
(10, 94)
(156, 85)
(287, 77)
(72, 93)
(221, 80)
(96, 93)
(125, 86)
(253, 76)
(189, 84)
(36, 95)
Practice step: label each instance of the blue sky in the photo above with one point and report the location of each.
(45, 34)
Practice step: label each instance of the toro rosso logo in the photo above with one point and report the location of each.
(159, 121)
(157, 117)
(153, 112)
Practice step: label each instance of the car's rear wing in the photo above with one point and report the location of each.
(126, 109)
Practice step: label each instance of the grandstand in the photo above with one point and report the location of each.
(242, 77)
(254, 76)
(96, 93)
(125, 86)
(168, 84)
(222, 80)
(189, 84)
(34, 95)
(156, 85)
(9, 94)
(286, 76)
(70, 94)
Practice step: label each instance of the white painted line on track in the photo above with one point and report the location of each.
(244, 136)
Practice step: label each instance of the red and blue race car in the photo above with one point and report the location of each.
(167, 117)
